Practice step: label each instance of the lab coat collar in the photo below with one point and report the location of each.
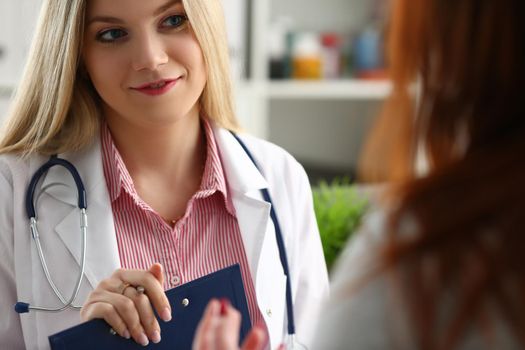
(102, 256)
(245, 182)
(242, 175)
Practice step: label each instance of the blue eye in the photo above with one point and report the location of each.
(111, 35)
(174, 21)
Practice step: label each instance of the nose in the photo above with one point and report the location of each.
(149, 52)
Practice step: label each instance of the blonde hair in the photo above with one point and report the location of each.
(55, 108)
(207, 20)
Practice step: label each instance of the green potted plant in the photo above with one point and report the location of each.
(339, 208)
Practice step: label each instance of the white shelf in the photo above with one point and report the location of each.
(330, 89)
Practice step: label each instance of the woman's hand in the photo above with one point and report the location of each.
(128, 309)
(219, 330)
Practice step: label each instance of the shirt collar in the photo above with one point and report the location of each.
(112, 162)
(213, 177)
(118, 177)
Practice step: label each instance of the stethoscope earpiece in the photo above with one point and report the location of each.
(21, 307)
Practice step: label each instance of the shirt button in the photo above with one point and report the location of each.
(269, 312)
(175, 280)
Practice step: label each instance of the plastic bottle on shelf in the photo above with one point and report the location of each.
(306, 56)
(368, 46)
(331, 54)
(279, 48)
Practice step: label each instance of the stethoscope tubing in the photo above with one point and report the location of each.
(65, 303)
(54, 161)
(22, 307)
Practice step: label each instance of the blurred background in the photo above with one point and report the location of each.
(308, 74)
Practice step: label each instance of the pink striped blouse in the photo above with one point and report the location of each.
(206, 239)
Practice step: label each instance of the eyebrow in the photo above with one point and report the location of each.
(166, 6)
(115, 20)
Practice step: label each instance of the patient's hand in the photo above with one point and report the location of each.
(219, 330)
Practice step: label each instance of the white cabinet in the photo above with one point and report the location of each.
(323, 123)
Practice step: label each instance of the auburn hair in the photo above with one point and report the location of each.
(458, 69)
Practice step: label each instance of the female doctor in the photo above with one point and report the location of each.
(136, 96)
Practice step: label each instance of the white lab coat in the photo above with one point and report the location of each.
(22, 277)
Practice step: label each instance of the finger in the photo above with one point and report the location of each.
(204, 335)
(157, 271)
(107, 312)
(152, 287)
(127, 311)
(113, 284)
(146, 315)
(228, 327)
(255, 340)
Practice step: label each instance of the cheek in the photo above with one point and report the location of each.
(102, 70)
(190, 55)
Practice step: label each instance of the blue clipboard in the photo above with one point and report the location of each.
(176, 334)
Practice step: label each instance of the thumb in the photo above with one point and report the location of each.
(157, 271)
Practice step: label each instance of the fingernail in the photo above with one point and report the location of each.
(126, 334)
(155, 337)
(224, 305)
(166, 314)
(143, 340)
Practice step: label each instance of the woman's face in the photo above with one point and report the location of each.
(144, 60)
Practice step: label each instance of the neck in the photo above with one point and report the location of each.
(175, 150)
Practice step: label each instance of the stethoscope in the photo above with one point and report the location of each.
(22, 307)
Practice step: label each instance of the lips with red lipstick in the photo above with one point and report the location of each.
(158, 87)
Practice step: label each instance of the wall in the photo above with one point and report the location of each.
(322, 133)
(327, 15)
(17, 21)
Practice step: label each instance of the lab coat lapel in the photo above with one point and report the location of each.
(245, 181)
(253, 215)
(102, 256)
